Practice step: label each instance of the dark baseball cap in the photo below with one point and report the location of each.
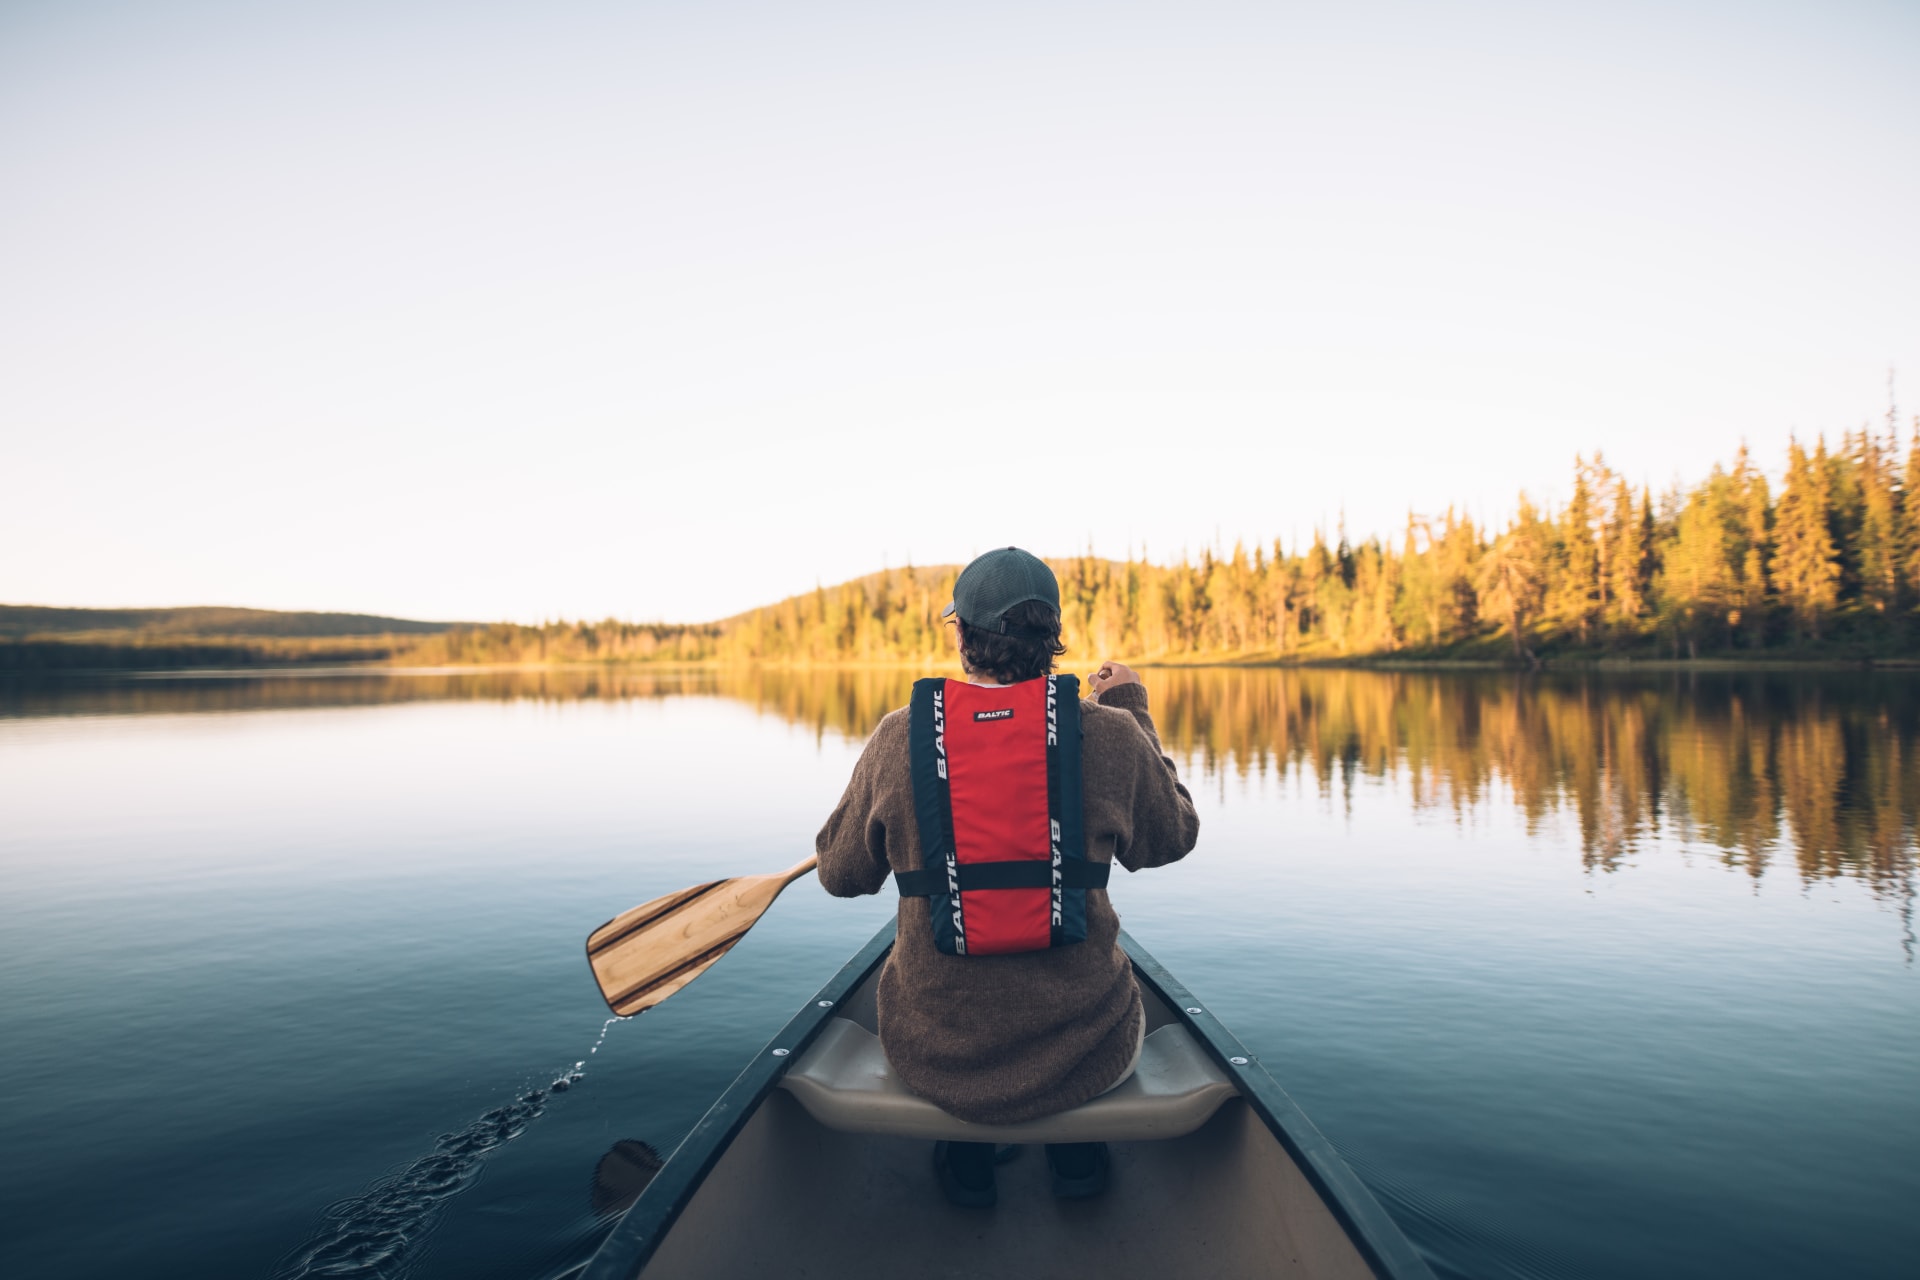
(997, 581)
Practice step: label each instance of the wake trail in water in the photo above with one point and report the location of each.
(371, 1235)
(1459, 1242)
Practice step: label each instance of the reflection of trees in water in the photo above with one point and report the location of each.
(845, 701)
(1821, 767)
(185, 693)
(1754, 764)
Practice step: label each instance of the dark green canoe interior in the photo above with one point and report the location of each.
(760, 1188)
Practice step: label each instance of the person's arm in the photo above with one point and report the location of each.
(853, 843)
(1165, 824)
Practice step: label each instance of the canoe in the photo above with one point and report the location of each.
(816, 1163)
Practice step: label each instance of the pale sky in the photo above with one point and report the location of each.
(462, 310)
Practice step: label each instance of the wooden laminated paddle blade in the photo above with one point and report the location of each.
(642, 956)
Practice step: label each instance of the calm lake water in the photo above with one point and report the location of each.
(1586, 976)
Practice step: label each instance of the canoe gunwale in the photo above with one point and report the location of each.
(1373, 1231)
(631, 1244)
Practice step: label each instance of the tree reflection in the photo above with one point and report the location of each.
(1757, 765)
(1818, 768)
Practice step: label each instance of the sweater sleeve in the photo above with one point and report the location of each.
(853, 844)
(1165, 824)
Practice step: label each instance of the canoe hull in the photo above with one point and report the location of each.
(760, 1187)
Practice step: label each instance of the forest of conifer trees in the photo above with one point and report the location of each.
(1825, 564)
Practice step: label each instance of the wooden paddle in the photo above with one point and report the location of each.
(642, 956)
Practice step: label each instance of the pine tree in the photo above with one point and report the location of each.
(1417, 611)
(1699, 585)
(1287, 596)
(1741, 508)
(1460, 547)
(1756, 536)
(1578, 594)
(1628, 557)
(1511, 581)
(1805, 565)
(1846, 509)
(1908, 544)
(1877, 551)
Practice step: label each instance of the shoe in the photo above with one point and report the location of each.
(1079, 1169)
(966, 1173)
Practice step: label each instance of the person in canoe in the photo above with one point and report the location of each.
(997, 805)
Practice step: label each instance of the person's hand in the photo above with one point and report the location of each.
(1112, 675)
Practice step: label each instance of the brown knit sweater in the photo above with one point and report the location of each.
(998, 1039)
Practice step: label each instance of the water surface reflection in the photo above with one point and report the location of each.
(1818, 768)
(1518, 945)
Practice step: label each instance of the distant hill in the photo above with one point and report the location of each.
(18, 621)
(37, 638)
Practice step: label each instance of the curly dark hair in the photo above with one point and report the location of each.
(1025, 652)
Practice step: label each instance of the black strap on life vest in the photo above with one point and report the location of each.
(1079, 874)
(1059, 868)
(933, 810)
(1066, 808)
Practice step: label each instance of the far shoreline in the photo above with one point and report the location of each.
(1385, 664)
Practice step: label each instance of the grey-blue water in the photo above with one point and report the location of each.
(1587, 977)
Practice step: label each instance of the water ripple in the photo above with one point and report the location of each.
(370, 1236)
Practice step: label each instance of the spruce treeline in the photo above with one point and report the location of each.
(1825, 563)
(508, 643)
(1829, 562)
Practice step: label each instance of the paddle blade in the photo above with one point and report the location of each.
(642, 956)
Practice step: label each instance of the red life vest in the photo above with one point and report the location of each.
(997, 798)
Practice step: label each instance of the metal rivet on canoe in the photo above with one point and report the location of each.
(1238, 1062)
(781, 1053)
(826, 1004)
(1193, 1010)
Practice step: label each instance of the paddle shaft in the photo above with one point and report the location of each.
(799, 869)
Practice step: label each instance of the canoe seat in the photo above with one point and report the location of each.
(845, 1083)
